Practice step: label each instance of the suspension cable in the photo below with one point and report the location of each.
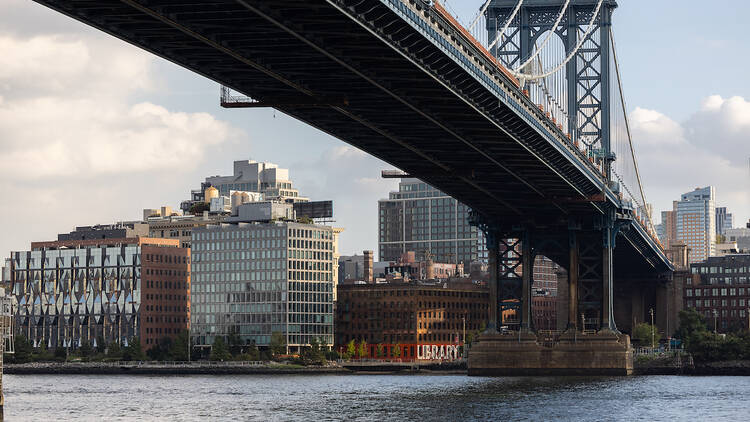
(501, 34)
(527, 77)
(479, 16)
(627, 121)
(547, 39)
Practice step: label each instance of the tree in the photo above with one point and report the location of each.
(160, 351)
(313, 354)
(133, 350)
(101, 345)
(199, 207)
(278, 344)
(252, 352)
(61, 353)
(350, 350)
(396, 351)
(85, 350)
(219, 350)
(235, 342)
(363, 349)
(114, 350)
(691, 322)
(178, 350)
(643, 332)
(380, 351)
(23, 350)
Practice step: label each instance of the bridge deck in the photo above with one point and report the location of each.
(391, 78)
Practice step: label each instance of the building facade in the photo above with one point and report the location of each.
(421, 218)
(544, 299)
(740, 236)
(667, 230)
(254, 279)
(180, 227)
(719, 288)
(410, 314)
(695, 221)
(724, 221)
(93, 290)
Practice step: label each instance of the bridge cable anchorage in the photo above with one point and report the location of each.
(545, 42)
(532, 77)
(501, 33)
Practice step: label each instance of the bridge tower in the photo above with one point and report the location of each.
(587, 97)
(584, 247)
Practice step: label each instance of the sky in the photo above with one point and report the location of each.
(93, 130)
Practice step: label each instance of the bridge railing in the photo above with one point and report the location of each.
(546, 100)
(458, 42)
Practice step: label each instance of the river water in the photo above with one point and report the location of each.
(374, 398)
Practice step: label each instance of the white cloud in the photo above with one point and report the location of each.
(710, 148)
(77, 145)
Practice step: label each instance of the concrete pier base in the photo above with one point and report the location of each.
(603, 353)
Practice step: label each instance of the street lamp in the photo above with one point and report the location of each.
(716, 314)
(651, 311)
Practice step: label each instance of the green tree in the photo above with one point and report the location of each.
(101, 345)
(114, 350)
(178, 350)
(350, 350)
(278, 344)
(199, 207)
(252, 352)
(363, 349)
(313, 354)
(61, 353)
(23, 350)
(396, 351)
(642, 334)
(133, 351)
(235, 342)
(691, 322)
(380, 351)
(219, 350)
(85, 350)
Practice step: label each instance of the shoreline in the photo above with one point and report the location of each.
(730, 368)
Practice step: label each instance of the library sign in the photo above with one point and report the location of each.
(447, 352)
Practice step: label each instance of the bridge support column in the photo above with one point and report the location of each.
(528, 281)
(573, 283)
(492, 267)
(608, 319)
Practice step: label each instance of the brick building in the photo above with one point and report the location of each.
(71, 291)
(544, 299)
(719, 288)
(409, 314)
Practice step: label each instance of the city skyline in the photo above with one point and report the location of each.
(72, 167)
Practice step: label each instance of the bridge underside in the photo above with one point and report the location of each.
(358, 71)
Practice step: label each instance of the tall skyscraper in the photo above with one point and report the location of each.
(667, 230)
(724, 221)
(695, 221)
(419, 218)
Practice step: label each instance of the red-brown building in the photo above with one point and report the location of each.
(413, 315)
(165, 300)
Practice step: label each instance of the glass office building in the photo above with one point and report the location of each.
(695, 221)
(421, 218)
(255, 279)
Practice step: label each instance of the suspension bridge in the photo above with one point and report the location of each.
(519, 114)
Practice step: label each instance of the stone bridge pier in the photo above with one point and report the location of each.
(589, 341)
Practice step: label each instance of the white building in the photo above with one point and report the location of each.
(263, 177)
(695, 221)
